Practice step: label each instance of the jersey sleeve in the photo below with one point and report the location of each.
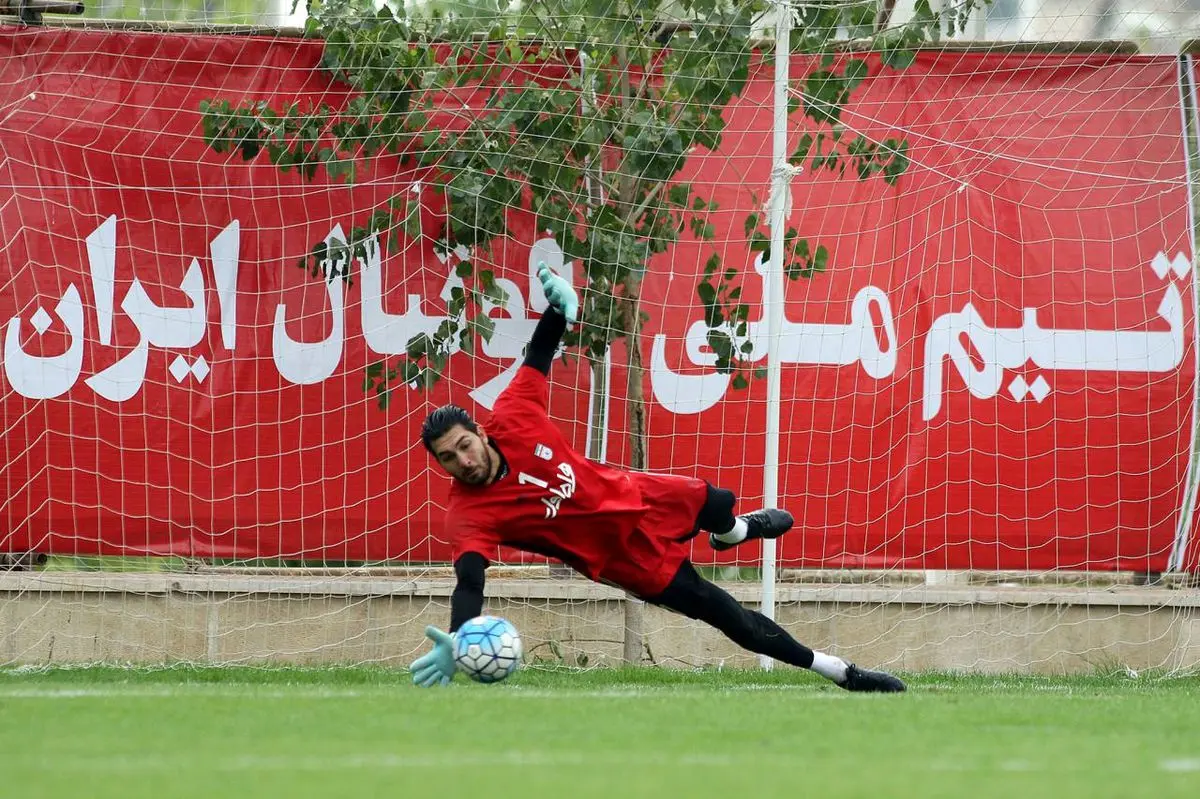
(529, 390)
(468, 535)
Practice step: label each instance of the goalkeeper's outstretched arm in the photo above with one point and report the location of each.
(467, 600)
(543, 345)
(563, 309)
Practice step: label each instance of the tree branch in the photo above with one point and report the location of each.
(634, 215)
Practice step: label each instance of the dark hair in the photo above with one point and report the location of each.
(442, 421)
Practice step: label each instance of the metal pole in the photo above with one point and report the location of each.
(773, 290)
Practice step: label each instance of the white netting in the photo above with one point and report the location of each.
(988, 366)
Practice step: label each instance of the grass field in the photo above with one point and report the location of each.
(184, 732)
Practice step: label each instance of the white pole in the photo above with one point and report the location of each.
(773, 291)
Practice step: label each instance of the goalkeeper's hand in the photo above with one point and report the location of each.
(437, 666)
(559, 293)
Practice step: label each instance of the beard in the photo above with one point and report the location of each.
(479, 476)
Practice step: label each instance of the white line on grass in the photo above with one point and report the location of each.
(298, 762)
(342, 763)
(174, 691)
(253, 691)
(639, 692)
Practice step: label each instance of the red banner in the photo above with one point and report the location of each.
(997, 371)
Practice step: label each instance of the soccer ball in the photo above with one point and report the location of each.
(487, 649)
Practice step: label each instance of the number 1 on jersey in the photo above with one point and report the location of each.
(529, 479)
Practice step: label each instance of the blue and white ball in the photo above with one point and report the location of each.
(487, 649)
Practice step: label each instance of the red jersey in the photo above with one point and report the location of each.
(611, 525)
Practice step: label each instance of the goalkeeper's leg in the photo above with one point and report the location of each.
(725, 531)
(697, 598)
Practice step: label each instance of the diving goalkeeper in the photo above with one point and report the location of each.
(517, 483)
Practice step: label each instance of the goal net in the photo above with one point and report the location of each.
(242, 265)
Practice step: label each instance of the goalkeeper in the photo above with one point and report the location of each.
(517, 483)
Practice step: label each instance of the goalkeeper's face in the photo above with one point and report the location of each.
(465, 456)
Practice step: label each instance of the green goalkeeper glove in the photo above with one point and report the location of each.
(559, 293)
(437, 666)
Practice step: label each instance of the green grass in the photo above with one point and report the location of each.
(182, 732)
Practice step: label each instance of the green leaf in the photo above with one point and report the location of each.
(496, 294)
(484, 325)
(759, 242)
(856, 69)
(463, 270)
(800, 153)
(821, 258)
(898, 164)
(418, 345)
(456, 306)
(899, 58)
(713, 315)
(751, 223)
(721, 344)
(409, 372)
(825, 95)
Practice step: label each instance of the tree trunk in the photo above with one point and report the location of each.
(598, 423)
(634, 619)
(635, 391)
(638, 456)
(1106, 20)
(884, 16)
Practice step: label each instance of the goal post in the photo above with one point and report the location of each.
(951, 328)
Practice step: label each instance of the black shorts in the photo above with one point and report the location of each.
(716, 513)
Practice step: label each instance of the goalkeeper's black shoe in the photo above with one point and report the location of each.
(766, 523)
(871, 681)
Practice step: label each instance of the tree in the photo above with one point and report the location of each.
(629, 91)
(593, 146)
